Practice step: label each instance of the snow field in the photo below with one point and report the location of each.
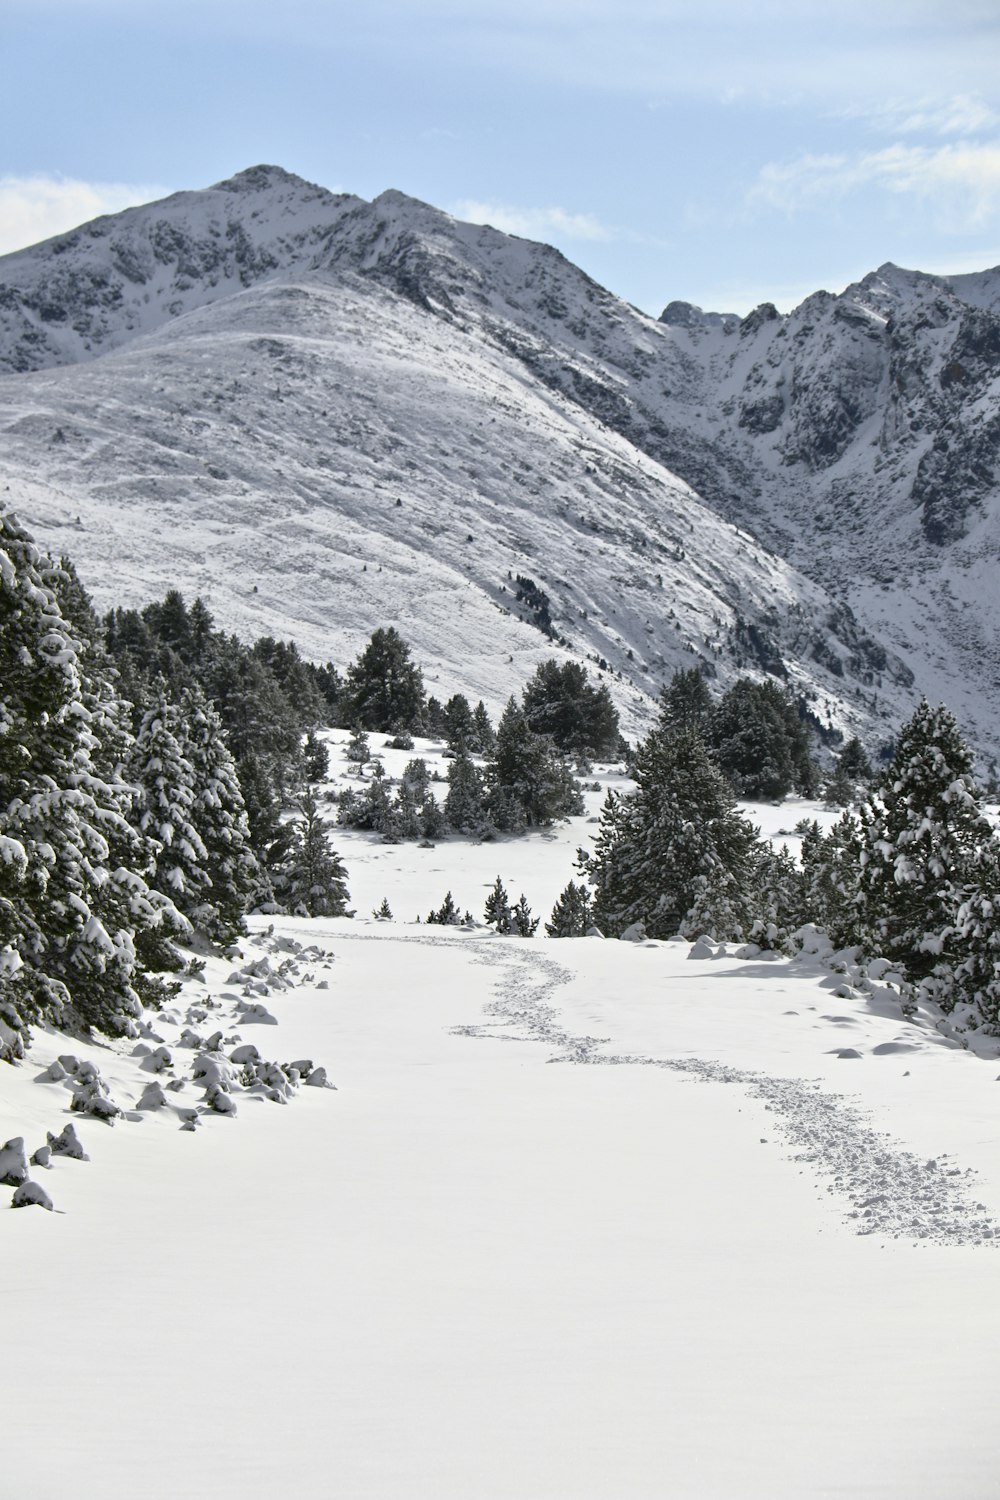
(583, 1220)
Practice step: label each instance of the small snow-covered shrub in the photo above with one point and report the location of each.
(13, 1162)
(30, 1194)
(67, 1143)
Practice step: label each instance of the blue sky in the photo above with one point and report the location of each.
(717, 152)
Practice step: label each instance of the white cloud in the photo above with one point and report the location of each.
(960, 181)
(533, 223)
(35, 208)
(963, 114)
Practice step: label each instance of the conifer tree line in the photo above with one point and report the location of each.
(123, 826)
(157, 780)
(149, 762)
(910, 873)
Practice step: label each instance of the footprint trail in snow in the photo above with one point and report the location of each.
(891, 1191)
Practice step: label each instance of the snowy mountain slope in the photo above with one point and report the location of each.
(286, 364)
(80, 294)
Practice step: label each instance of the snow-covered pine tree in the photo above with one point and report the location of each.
(312, 881)
(775, 897)
(521, 920)
(528, 782)
(417, 778)
(218, 813)
(675, 854)
(484, 735)
(497, 910)
(162, 769)
(571, 915)
(406, 812)
(686, 703)
(447, 914)
(73, 899)
(460, 723)
(315, 758)
(560, 702)
(464, 805)
(972, 987)
(358, 748)
(925, 846)
(831, 868)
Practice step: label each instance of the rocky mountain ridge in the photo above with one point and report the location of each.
(265, 386)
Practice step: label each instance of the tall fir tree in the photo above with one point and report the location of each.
(579, 718)
(572, 915)
(384, 690)
(675, 854)
(73, 899)
(925, 846)
(219, 815)
(312, 880)
(166, 808)
(686, 703)
(497, 912)
(528, 782)
(464, 805)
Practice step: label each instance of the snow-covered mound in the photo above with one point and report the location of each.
(324, 414)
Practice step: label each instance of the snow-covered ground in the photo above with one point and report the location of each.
(581, 1219)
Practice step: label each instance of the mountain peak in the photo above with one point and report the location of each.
(261, 177)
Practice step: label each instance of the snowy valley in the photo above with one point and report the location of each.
(410, 1098)
(576, 1218)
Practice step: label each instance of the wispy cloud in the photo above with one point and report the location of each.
(961, 180)
(35, 208)
(961, 115)
(534, 223)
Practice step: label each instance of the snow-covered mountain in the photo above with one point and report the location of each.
(323, 414)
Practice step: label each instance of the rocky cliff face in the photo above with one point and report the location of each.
(813, 495)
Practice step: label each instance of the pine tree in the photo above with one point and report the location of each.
(686, 703)
(315, 758)
(775, 903)
(383, 689)
(831, 870)
(460, 723)
(383, 913)
(760, 742)
(973, 984)
(358, 749)
(571, 915)
(73, 900)
(926, 846)
(447, 914)
(497, 912)
(484, 736)
(561, 703)
(433, 823)
(675, 854)
(406, 812)
(166, 814)
(521, 921)
(219, 816)
(464, 805)
(312, 881)
(528, 781)
(850, 777)
(416, 777)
